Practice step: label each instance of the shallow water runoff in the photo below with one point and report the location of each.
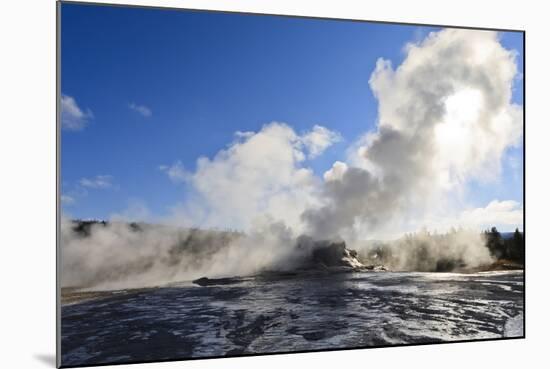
(291, 313)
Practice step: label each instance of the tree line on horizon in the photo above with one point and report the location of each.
(509, 248)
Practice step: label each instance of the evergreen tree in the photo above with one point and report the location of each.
(518, 247)
(495, 243)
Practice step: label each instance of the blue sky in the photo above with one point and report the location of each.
(158, 86)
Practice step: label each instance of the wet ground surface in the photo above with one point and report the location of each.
(296, 313)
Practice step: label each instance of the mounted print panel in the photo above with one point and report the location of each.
(243, 184)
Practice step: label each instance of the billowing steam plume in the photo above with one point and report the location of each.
(445, 117)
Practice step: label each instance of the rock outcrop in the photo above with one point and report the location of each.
(335, 254)
(326, 254)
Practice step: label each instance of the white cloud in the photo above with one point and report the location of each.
(319, 139)
(336, 172)
(176, 172)
(67, 200)
(73, 118)
(241, 134)
(500, 213)
(259, 175)
(141, 109)
(98, 182)
(506, 215)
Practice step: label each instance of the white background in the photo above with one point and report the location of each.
(27, 192)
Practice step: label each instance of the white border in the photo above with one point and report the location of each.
(27, 152)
